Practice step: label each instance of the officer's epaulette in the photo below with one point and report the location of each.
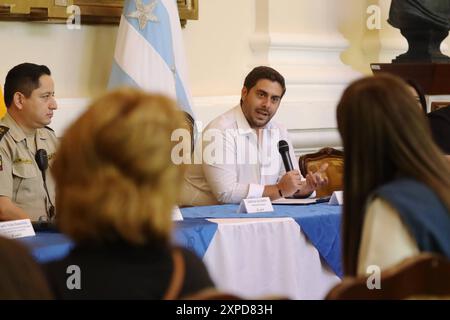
(49, 128)
(3, 131)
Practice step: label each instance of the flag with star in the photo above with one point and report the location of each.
(2, 105)
(149, 50)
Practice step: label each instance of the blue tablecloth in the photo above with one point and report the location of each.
(320, 223)
(195, 234)
(48, 246)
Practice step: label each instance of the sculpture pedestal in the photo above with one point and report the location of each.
(424, 45)
(432, 77)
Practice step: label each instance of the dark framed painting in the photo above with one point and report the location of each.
(90, 11)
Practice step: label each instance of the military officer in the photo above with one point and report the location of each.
(29, 98)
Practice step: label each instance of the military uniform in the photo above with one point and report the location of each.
(20, 177)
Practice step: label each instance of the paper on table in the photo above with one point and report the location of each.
(16, 229)
(290, 201)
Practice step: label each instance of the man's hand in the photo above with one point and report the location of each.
(317, 179)
(9, 211)
(290, 183)
(313, 181)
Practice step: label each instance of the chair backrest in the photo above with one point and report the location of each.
(425, 276)
(190, 122)
(313, 161)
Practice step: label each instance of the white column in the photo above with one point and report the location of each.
(301, 39)
(392, 43)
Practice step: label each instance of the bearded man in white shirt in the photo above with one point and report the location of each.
(237, 156)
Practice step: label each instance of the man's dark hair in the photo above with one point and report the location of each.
(263, 72)
(23, 78)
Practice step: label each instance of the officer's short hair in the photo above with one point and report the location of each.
(23, 78)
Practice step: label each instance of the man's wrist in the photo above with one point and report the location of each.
(299, 195)
(279, 191)
(303, 192)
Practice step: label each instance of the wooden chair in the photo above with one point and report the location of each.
(426, 276)
(191, 126)
(335, 171)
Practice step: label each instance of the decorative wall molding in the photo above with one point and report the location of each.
(304, 58)
(300, 48)
(307, 133)
(315, 78)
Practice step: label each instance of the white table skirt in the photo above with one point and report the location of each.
(261, 257)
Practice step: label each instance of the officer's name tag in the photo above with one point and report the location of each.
(16, 229)
(255, 205)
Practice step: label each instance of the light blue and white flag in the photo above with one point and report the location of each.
(149, 50)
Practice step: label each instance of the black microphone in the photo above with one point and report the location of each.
(42, 162)
(283, 148)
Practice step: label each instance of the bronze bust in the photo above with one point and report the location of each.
(424, 24)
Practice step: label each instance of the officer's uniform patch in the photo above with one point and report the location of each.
(20, 160)
(3, 131)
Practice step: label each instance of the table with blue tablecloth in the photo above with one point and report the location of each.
(293, 251)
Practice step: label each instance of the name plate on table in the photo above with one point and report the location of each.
(337, 199)
(176, 214)
(255, 205)
(16, 229)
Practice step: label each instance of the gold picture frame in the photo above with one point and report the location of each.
(90, 11)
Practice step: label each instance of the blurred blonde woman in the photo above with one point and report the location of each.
(116, 189)
(396, 182)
